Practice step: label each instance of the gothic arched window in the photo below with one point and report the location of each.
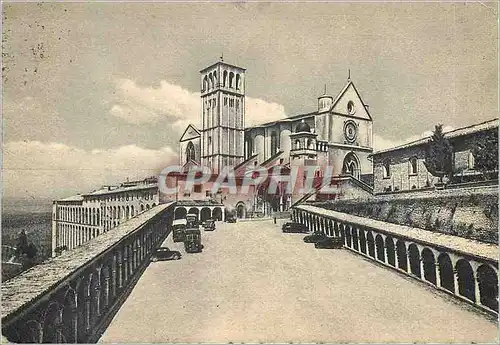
(190, 153)
(413, 166)
(231, 77)
(237, 81)
(351, 165)
(387, 169)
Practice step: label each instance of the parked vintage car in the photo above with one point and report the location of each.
(315, 237)
(230, 219)
(209, 225)
(330, 243)
(292, 227)
(165, 254)
(178, 227)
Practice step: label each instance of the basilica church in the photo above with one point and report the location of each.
(338, 133)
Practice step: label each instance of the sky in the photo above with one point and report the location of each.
(94, 93)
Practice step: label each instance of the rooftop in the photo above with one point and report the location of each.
(483, 126)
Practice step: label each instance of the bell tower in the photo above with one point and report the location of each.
(222, 115)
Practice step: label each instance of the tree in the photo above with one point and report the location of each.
(439, 154)
(485, 152)
(22, 243)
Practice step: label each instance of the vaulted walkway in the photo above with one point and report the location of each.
(254, 284)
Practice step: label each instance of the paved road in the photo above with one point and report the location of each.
(254, 284)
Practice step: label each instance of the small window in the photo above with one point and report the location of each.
(471, 161)
(413, 166)
(387, 169)
(208, 193)
(225, 100)
(197, 188)
(350, 107)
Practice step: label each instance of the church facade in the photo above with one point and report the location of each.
(337, 134)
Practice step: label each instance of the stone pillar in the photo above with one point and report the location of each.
(422, 267)
(106, 290)
(455, 276)
(438, 274)
(396, 258)
(119, 271)
(477, 291)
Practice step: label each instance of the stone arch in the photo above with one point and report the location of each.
(127, 212)
(351, 165)
(429, 264)
(414, 256)
(446, 276)
(132, 214)
(205, 214)
(241, 210)
(231, 77)
(33, 332)
(390, 250)
(402, 255)
(217, 213)
(488, 286)
(224, 78)
(179, 213)
(238, 81)
(194, 210)
(371, 244)
(70, 316)
(148, 206)
(465, 277)
(52, 322)
(379, 241)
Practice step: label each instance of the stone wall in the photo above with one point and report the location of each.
(469, 212)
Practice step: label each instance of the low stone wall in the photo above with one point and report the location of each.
(72, 298)
(469, 212)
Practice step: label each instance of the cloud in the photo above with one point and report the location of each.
(380, 143)
(38, 169)
(142, 105)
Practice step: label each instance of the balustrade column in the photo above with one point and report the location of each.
(477, 291)
(456, 288)
(106, 290)
(438, 274)
(120, 272)
(422, 269)
(125, 259)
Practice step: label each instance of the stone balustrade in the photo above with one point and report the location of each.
(73, 297)
(465, 268)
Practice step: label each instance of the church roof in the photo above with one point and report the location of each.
(306, 115)
(190, 132)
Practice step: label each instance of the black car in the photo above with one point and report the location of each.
(292, 227)
(209, 225)
(164, 254)
(315, 237)
(330, 243)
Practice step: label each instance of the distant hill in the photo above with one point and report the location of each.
(26, 205)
